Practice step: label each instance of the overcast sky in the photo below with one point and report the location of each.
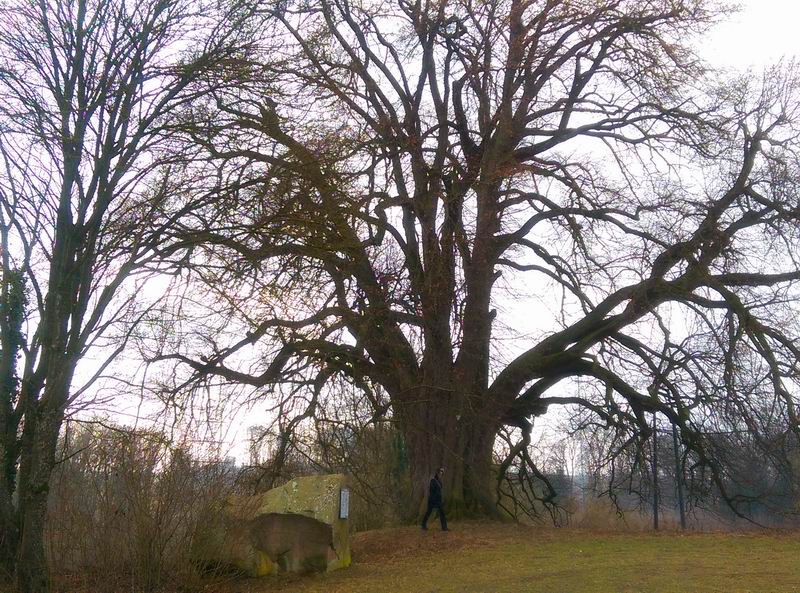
(760, 34)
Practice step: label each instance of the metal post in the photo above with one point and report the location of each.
(655, 474)
(678, 476)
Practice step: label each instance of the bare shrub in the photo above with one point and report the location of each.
(377, 463)
(125, 505)
(372, 455)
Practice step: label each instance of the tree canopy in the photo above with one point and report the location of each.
(382, 166)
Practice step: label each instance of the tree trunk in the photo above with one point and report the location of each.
(9, 530)
(40, 439)
(442, 436)
(32, 575)
(9, 526)
(9, 518)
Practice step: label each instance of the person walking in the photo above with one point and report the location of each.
(435, 500)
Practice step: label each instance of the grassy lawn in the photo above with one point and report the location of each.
(498, 558)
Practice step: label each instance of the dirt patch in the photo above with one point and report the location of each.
(390, 545)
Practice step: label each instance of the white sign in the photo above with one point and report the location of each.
(344, 503)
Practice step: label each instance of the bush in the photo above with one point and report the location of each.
(125, 505)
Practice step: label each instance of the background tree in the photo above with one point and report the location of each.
(87, 194)
(12, 317)
(382, 166)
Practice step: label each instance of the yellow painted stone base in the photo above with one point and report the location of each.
(257, 565)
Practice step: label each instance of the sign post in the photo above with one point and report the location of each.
(344, 503)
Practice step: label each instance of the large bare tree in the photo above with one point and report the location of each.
(382, 165)
(87, 195)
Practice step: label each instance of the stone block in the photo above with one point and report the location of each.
(293, 528)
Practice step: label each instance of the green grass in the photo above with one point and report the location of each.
(497, 558)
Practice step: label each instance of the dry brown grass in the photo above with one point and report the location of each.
(478, 557)
(484, 557)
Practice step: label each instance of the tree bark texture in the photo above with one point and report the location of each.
(450, 436)
(9, 530)
(39, 443)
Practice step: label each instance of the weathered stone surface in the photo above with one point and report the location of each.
(293, 528)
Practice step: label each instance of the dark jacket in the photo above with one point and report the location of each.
(435, 492)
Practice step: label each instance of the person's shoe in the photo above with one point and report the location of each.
(423, 528)
(445, 529)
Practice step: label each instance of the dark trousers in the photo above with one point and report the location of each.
(442, 518)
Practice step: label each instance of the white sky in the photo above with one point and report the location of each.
(760, 34)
